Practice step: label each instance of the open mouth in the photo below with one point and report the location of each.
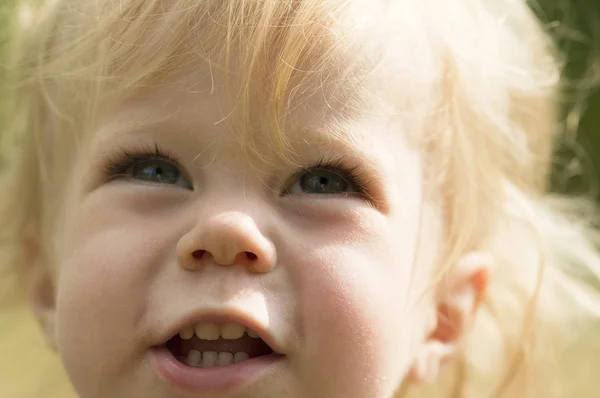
(206, 345)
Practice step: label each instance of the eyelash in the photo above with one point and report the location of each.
(118, 165)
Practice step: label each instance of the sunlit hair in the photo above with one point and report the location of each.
(476, 83)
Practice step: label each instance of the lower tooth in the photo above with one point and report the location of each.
(225, 358)
(240, 357)
(209, 359)
(194, 358)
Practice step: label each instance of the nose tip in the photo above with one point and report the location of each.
(231, 238)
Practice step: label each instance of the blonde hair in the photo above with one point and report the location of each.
(480, 91)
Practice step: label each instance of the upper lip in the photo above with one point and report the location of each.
(222, 317)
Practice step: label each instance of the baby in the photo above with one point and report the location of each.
(300, 199)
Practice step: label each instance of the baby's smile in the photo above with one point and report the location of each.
(217, 353)
(209, 344)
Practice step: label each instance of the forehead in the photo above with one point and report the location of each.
(274, 74)
(334, 60)
(198, 105)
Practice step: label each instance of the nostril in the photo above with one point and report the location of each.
(251, 256)
(198, 254)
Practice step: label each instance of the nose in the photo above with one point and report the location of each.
(227, 238)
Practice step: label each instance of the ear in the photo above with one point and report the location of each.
(39, 283)
(459, 298)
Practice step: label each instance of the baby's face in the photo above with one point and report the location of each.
(326, 265)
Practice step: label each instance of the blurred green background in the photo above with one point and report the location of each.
(575, 24)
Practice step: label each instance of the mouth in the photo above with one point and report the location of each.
(207, 345)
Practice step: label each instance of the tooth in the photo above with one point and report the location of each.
(225, 358)
(207, 331)
(232, 331)
(194, 358)
(187, 333)
(252, 333)
(240, 357)
(209, 359)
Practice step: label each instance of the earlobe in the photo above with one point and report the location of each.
(459, 299)
(429, 360)
(40, 286)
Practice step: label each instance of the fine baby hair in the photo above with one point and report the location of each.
(294, 198)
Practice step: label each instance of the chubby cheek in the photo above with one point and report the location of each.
(101, 298)
(359, 311)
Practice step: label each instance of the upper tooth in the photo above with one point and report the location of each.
(207, 331)
(232, 331)
(187, 333)
(212, 331)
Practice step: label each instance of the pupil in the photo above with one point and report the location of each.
(323, 181)
(157, 171)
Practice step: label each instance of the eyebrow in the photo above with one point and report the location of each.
(335, 132)
(139, 125)
(338, 134)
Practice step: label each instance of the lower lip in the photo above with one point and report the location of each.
(215, 380)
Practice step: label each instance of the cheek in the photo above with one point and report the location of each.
(354, 316)
(102, 291)
(359, 301)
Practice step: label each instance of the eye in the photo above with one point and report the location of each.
(157, 171)
(151, 165)
(321, 181)
(329, 177)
